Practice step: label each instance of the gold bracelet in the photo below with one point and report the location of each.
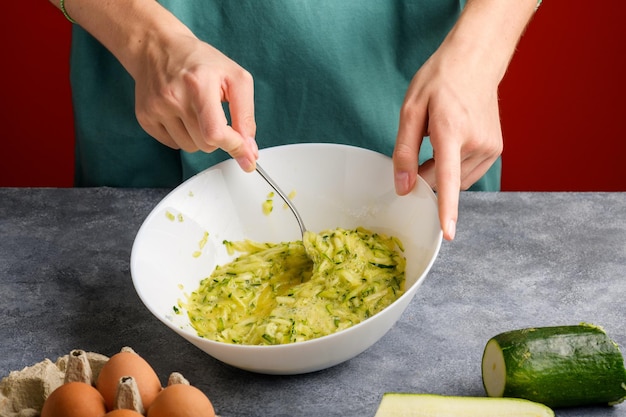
(67, 16)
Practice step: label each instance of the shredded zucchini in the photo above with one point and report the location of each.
(295, 291)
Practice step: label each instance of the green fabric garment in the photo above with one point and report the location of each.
(324, 71)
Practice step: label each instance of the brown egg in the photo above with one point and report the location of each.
(128, 363)
(123, 413)
(180, 400)
(74, 399)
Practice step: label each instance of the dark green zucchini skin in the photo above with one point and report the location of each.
(563, 366)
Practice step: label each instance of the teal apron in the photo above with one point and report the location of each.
(324, 71)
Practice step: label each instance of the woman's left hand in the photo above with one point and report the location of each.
(453, 98)
(459, 111)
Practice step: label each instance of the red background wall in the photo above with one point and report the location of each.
(562, 100)
(35, 104)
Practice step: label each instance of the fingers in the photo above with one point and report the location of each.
(406, 151)
(412, 128)
(447, 169)
(454, 169)
(473, 167)
(213, 129)
(175, 134)
(240, 97)
(194, 118)
(241, 104)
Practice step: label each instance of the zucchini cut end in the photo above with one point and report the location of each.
(494, 369)
(432, 405)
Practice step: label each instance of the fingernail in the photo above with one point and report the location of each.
(402, 182)
(451, 229)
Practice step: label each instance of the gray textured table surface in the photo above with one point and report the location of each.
(520, 259)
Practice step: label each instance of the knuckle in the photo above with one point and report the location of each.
(244, 76)
(486, 145)
(212, 135)
(249, 122)
(191, 79)
(403, 152)
(409, 113)
(188, 146)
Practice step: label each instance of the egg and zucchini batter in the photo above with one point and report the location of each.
(296, 291)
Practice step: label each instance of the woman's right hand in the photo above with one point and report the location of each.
(180, 87)
(180, 81)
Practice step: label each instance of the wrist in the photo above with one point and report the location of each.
(128, 29)
(487, 34)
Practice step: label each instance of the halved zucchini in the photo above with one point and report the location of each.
(431, 405)
(558, 366)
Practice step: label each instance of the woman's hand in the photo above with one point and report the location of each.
(453, 99)
(180, 81)
(459, 111)
(180, 88)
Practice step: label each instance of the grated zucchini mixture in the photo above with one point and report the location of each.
(295, 291)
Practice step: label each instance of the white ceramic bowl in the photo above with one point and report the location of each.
(335, 186)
